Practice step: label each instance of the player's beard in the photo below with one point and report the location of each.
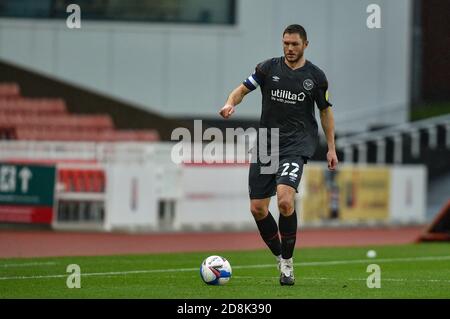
(295, 58)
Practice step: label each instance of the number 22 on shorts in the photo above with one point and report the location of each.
(292, 173)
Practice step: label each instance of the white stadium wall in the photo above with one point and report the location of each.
(130, 197)
(146, 191)
(215, 197)
(408, 191)
(188, 70)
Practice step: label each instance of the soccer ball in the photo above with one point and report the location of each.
(215, 270)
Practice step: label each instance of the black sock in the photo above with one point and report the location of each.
(269, 232)
(288, 232)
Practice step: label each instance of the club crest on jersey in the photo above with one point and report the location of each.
(308, 84)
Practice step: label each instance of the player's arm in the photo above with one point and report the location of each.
(327, 120)
(250, 84)
(235, 97)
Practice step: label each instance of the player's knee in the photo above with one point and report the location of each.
(259, 211)
(285, 206)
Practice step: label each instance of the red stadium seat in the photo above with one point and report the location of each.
(47, 119)
(29, 105)
(9, 91)
(82, 180)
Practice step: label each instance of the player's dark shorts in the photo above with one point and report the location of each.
(289, 172)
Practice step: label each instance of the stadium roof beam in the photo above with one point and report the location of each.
(348, 154)
(381, 150)
(432, 140)
(362, 153)
(415, 143)
(398, 149)
(447, 135)
(390, 131)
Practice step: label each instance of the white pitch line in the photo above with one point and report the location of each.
(302, 264)
(352, 279)
(403, 279)
(111, 273)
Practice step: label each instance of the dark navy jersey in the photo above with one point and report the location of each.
(288, 98)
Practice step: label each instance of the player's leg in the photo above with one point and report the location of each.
(261, 188)
(288, 232)
(288, 179)
(267, 226)
(287, 219)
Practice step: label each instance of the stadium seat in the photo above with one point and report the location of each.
(64, 121)
(42, 133)
(29, 105)
(82, 180)
(9, 91)
(47, 119)
(7, 133)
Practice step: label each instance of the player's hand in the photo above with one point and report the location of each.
(227, 110)
(332, 160)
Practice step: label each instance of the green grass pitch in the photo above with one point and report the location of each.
(407, 271)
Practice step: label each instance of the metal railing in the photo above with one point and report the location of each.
(396, 132)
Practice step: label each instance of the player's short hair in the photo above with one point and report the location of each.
(296, 28)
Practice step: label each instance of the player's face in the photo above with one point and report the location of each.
(293, 47)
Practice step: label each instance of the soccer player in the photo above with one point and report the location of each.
(290, 85)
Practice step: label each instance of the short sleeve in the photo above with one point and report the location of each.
(321, 92)
(257, 78)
